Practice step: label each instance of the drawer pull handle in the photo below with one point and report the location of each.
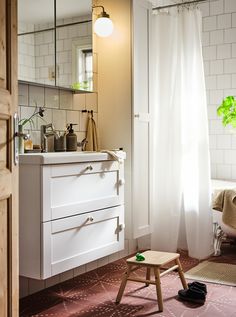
(121, 181)
(89, 168)
(90, 219)
(121, 226)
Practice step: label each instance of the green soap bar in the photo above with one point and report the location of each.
(140, 257)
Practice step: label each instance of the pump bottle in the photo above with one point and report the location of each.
(71, 138)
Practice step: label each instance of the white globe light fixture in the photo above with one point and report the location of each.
(103, 26)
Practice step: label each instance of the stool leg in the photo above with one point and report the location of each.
(158, 288)
(123, 284)
(181, 274)
(148, 275)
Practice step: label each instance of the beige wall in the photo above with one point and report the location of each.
(114, 88)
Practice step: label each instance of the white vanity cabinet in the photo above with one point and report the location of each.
(71, 211)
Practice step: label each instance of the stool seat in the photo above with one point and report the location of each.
(153, 260)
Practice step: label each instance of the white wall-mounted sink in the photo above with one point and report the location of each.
(63, 157)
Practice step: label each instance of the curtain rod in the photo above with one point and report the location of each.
(178, 4)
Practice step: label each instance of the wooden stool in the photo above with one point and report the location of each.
(155, 260)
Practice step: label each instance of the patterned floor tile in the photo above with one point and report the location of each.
(93, 294)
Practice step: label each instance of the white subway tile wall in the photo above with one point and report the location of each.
(51, 98)
(79, 102)
(219, 53)
(36, 96)
(73, 117)
(65, 99)
(230, 6)
(217, 7)
(59, 119)
(23, 96)
(61, 107)
(27, 112)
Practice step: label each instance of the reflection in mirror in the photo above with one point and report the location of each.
(26, 58)
(73, 11)
(72, 65)
(74, 57)
(33, 61)
(36, 58)
(35, 15)
(45, 58)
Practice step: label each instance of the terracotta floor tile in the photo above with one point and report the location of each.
(93, 295)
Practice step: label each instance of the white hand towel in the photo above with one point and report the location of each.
(116, 155)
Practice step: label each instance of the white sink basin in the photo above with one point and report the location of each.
(62, 157)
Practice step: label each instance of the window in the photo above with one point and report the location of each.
(82, 59)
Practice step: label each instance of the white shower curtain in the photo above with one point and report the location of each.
(182, 215)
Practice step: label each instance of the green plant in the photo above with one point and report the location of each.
(83, 85)
(228, 111)
(38, 112)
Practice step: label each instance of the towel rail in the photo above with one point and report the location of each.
(88, 111)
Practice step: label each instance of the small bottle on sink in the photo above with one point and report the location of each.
(28, 144)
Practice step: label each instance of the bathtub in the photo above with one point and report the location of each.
(221, 230)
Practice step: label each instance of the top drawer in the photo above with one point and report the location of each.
(70, 189)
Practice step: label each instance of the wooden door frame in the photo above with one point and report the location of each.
(14, 269)
(9, 295)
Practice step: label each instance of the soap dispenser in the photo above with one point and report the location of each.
(71, 138)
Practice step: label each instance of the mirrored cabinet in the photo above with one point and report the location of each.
(55, 43)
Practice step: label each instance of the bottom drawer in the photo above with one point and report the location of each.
(74, 241)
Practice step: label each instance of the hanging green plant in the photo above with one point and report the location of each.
(227, 110)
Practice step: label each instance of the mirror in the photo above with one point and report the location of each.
(56, 50)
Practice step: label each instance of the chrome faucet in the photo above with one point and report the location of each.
(82, 144)
(47, 138)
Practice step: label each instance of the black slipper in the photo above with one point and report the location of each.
(192, 295)
(198, 285)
